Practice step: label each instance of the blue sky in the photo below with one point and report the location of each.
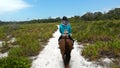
(20, 10)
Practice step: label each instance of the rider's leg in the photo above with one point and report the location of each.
(71, 38)
(59, 38)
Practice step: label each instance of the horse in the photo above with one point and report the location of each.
(66, 46)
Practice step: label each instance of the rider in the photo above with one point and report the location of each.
(65, 26)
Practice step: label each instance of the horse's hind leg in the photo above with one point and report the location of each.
(67, 66)
(68, 57)
(62, 47)
(67, 60)
(63, 53)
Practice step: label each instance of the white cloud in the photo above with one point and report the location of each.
(12, 5)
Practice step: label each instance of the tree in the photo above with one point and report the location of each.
(88, 16)
(113, 14)
(98, 16)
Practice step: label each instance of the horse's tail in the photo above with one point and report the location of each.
(69, 44)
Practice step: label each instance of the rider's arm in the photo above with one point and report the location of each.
(70, 29)
(60, 30)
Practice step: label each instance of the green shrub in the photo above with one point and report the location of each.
(15, 62)
(95, 51)
(29, 39)
(103, 38)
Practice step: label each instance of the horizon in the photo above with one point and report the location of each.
(24, 10)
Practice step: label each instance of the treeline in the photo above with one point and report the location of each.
(49, 20)
(113, 14)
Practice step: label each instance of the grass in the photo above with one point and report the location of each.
(15, 62)
(100, 49)
(29, 41)
(95, 31)
(103, 38)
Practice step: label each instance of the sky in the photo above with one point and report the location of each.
(21, 10)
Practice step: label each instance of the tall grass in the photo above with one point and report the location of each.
(95, 30)
(103, 37)
(15, 62)
(100, 49)
(29, 41)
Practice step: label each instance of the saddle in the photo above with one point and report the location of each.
(65, 36)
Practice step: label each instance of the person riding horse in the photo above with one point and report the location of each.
(65, 27)
(65, 41)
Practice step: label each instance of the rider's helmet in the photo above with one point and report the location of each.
(65, 20)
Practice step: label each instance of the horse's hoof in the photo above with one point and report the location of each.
(73, 48)
(66, 66)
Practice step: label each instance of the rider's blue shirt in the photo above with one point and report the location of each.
(63, 27)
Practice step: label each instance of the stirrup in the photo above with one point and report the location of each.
(73, 41)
